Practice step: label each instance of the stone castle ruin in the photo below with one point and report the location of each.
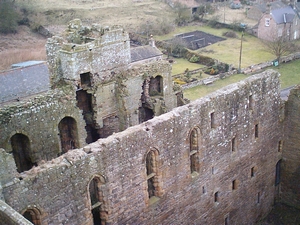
(112, 141)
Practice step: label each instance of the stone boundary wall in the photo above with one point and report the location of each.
(248, 70)
(246, 112)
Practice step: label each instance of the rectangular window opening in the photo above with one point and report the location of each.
(226, 220)
(233, 145)
(85, 79)
(258, 197)
(234, 184)
(267, 22)
(252, 172)
(217, 196)
(212, 120)
(256, 131)
(250, 102)
(280, 143)
(203, 190)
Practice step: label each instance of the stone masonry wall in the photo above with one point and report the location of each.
(38, 119)
(59, 188)
(290, 166)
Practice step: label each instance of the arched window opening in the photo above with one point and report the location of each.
(155, 86)
(97, 201)
(152, 174)
(68, 134)
(33, 215)
(21, 151)
(194, 146)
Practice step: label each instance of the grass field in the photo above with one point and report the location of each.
(290, 73)
(228, 51)
(202, 90)
(289, 76)
(180, 65)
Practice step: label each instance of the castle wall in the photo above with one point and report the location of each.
(247, 112)
(110, 51)
(38, 119)
(290, 166)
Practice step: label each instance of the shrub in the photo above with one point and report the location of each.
(214, 22)
(179, 81)
(194, 59)
(8, 17)
(230, 34)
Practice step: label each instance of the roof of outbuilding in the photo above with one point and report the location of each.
(283, 15)
(24, 81)
(273, 5)
(144, 52)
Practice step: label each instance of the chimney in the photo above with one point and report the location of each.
(151, 41)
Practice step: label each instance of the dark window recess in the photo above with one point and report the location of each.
(155, 86)
(33, 215)
(216, 196)
(277, 173)
(233, 145)
(84, 102)
(151, 169)
(250, 102)
(253, 170)
(256, 131)
(22, 153)
(194, 163)
(212, 120)
(68, 134)
(226, 220)
(146, 110)
(234, 184)
(85, 80)
(258, 197)
(96, 199)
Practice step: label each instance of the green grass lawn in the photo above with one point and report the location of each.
(228, 51)
(290, 73)
(180, 65)
(202, 90)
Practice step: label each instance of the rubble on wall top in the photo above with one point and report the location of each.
(78, 37)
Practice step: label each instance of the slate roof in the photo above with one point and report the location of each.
(273, 5)
(144, 52)
(24, 81)
(283, 15)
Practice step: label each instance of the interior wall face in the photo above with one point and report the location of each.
(290, 165)
(236, 153)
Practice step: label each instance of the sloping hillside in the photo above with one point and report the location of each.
(54, 15)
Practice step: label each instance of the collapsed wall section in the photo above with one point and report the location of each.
(237, 132)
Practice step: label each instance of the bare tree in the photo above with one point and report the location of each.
(176, 47)
(280, 46)
(183, 13)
